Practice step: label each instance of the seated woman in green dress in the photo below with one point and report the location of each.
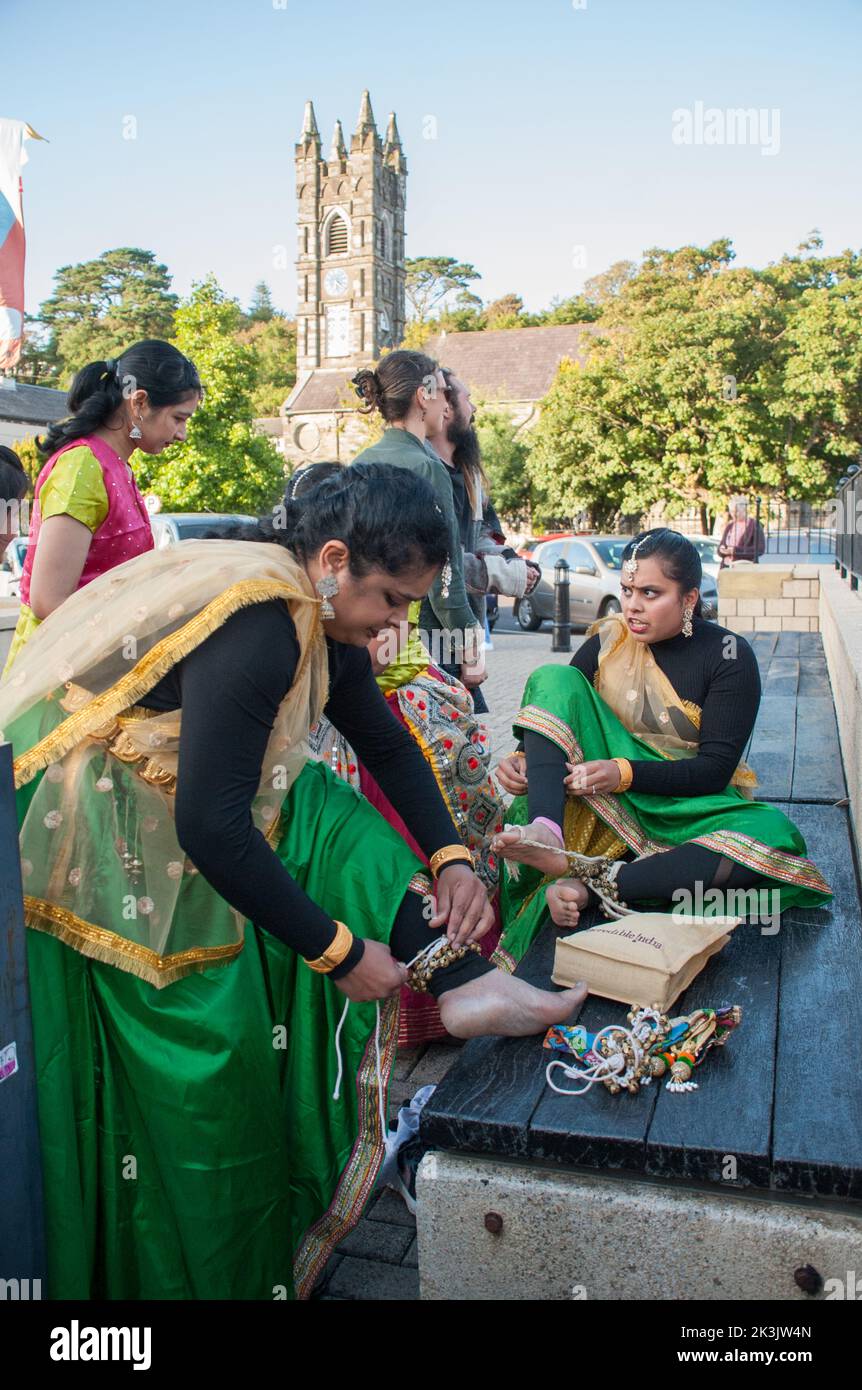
(204, 902)
(630, 786)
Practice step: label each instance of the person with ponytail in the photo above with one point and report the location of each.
(631, 765)
(410, 392)
(218, 927)
(89, 514)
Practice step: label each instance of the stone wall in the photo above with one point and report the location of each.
(770, 598)
(841, 628)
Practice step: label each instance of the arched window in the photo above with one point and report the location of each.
(337, 235)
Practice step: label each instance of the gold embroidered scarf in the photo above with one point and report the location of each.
(101, 865)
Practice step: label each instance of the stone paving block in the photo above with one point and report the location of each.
(389, 1207)
(377, 1240)
(411, 1259)
(368, 1282)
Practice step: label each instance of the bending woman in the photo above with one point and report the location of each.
(631, 758)
(186, 1058)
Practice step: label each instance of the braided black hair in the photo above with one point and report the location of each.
(98, 390)
(387, 517)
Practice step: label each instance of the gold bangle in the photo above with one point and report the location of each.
(626, 774)
(335, 951)
(450, 854)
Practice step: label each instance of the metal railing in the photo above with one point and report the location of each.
(848, 541)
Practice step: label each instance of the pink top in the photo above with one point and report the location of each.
(125, 531)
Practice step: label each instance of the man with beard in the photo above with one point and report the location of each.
(489, 565)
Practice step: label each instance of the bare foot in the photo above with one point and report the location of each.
(497, 1003)
(509, 844)
(566, 900)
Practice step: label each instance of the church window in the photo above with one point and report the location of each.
(337, 236)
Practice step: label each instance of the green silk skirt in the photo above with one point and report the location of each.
(190, 1143)
(560, 704)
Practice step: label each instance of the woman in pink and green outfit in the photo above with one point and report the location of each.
(89, 515)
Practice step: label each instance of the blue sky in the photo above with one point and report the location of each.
(552, 128)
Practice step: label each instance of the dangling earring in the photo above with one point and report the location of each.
(327, 586)
(445, 580)
(686, 622)
(135, 433)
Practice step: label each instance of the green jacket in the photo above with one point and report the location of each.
(404, 450)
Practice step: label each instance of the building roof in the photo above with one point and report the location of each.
(512, 364)
(32, 405)
(324, 390)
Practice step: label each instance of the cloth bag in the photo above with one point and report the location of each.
(644, 958)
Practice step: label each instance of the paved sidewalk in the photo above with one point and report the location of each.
(378, 1260)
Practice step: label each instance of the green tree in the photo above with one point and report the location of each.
(261, 309)
(223, 465)
(505, 312)
(576, 309)
(433, 279)
(504, 458)
(37, 365)
(707, 380)
(273, 345)
(100, 307)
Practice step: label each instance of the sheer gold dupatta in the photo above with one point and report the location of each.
(631, 682)
(101, 864)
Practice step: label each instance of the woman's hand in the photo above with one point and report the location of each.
(377, 976)
(591, 779)
(511, 773)
(462, 904)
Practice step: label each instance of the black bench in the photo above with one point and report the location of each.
(784, 1096)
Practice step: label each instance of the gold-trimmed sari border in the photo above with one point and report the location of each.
(98, 943)
(360, 1172)
(157, 662)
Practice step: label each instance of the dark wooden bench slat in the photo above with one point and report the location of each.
(817, 1124)
(818, 773)
(770, 752)
(485, 1102)
(731, 1112)
(596, 1130)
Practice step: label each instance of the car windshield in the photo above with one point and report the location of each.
(202, 526)
(706, 549)
(611, 552)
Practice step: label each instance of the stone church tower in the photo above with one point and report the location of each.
(350, 274)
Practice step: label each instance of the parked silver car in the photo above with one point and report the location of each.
(595, 564)
(12, 566)
(171, 527)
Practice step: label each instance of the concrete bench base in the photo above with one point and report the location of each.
(571, 1235)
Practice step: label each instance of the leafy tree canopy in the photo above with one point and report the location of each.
(223, 465)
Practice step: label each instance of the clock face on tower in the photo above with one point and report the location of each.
(335, 282)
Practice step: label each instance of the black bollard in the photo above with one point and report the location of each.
(562, 639)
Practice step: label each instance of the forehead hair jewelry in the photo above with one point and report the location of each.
(630, 566)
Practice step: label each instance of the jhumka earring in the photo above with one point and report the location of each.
(326, 586)
(686, 622)
(135, 432)
(630, 566)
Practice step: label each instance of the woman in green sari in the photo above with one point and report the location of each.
(204, 903)
(630, 786)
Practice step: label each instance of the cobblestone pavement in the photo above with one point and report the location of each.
(378, 1260)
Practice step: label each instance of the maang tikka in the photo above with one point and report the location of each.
(630, 566)
(327, 586)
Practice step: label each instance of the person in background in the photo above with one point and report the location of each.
(410, 392)
(489, 565)
(14, 486)
(89, 514)
(742, 538)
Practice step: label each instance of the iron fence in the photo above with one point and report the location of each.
(848, 522)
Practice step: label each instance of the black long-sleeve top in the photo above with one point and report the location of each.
(229, 690)
(716, 670)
